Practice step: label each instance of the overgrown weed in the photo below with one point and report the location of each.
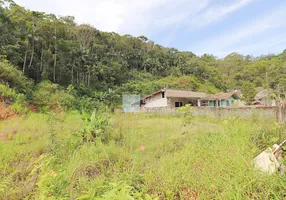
(146, 157)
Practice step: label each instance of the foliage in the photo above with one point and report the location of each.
(45, 47)
(110, 98)
(14, 78)
(188, 117)
(214, 161)
(185, 82)
(124, 191)
(273, 133)
(18, 100)
(249, 92)
(20, 105)
(77, 67)
(95, 127)
(49, 96)
(7, 93)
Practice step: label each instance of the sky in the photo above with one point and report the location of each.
(218, 27)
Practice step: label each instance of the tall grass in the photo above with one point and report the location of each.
(148, 157)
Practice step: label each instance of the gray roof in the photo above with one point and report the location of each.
(184, 93)
(262, 94)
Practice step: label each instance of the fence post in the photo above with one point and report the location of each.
(279, 110)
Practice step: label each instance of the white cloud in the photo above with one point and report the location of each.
(144, 17)
(124, 16)
(137, 17)
(238, 39)
(259, 47)
(218, 12)
(199, 16)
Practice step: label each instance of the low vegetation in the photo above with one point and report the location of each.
(44, 156)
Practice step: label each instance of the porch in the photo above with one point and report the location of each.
(176, 102)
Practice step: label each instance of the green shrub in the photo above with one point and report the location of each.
(49, 96)
(18, 100)
(15, 78)
(6, 92)
(95, 127)
(188, 117)
(20, 105)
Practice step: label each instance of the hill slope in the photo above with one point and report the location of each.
(46, 47)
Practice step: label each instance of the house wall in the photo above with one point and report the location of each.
(222, 102)
(231, 101)
(156, 100)
(154, 97)
(157, 103)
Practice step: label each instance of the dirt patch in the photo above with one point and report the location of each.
(6, 111)
(188, 194)
(33, 108)
(3, 137)
(90, 170)
(6, 136)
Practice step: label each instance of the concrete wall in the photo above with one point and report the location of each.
(223, 112)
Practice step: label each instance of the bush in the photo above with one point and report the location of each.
(188, 117)
(19, 101)
(95, 127)
(7, 93)
(15, 79)
(49, 96)
(20, 106)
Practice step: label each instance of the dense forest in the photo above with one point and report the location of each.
(46, 47)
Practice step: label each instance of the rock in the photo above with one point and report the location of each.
(266, 162)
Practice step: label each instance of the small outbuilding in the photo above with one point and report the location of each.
(223, 99)
(264, 98)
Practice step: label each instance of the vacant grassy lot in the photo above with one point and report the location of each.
(148, 157)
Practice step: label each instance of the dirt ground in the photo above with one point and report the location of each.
(6, 111)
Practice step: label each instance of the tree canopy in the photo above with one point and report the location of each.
(46, 47)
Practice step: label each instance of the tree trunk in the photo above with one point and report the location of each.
(77, 79)
(42, 54)
(88, 80)
(55, 65)
(55, 57)
(83, 78)
(72, 72)
(33, 46)
(25, 60)
(32, 57)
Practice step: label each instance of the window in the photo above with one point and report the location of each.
(163, 94)
(178, 104)
(227, 102)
